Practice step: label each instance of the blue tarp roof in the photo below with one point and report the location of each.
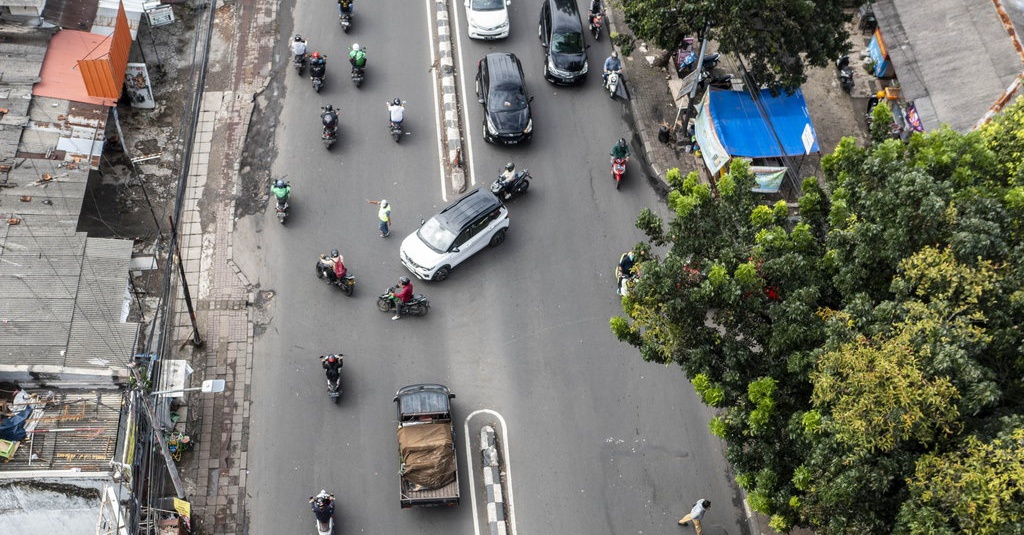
(743, 132)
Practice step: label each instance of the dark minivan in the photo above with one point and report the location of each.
(501, 89)
(561, 35)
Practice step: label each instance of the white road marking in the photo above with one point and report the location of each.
(437, 102)
(468, 134)
(510, 520)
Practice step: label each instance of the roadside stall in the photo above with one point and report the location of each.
(733, 124)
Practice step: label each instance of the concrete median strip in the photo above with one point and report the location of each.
(492, 481)
(452, 128)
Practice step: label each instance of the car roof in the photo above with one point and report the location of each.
(465, 210)
(503, 65)
(565, 15)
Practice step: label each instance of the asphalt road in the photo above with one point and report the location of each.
(600, 442)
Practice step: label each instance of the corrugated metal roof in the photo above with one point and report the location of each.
(953, 58)
(61, 76)
(73, 14)
(78, 429)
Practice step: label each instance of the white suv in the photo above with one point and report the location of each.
(488, 19)
(455, 234)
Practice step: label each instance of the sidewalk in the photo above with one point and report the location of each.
(215, 472)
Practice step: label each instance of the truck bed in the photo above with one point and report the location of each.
(446, 495)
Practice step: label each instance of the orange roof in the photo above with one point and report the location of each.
(61, 76)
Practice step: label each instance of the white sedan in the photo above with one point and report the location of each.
(488, 19)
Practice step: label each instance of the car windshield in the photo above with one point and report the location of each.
(486, 5)
(436, 236)
(567, 43)
(507, 97)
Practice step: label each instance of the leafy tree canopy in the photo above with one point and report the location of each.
(776, 38)
(864, 353)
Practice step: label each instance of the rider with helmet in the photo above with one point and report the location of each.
(396, 111)
(317, 65)
(346, 7)
(329, 117)
(281, 190)
(323, 507)
(611, 64)
(298, 47)
(402, 296)
(332, 363)
(334, 265)
(508, 177)
(620, 151)
(357, 56)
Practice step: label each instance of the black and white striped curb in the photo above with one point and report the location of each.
(449, 92)
(492, 482)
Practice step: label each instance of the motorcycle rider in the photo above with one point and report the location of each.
(625, 270)
(508, 177)
(396, 111)
(323, 507)
(298, 48)
(620, 151)
(332, 363)
(611, 64)
(357, 57)
(403, 296)
(330, 118)
(334, 265)
(281, 191)
(317, 65)
(346, 7)
(595, 10)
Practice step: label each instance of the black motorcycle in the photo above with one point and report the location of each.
(347, 284)
(518, 185)
(299, 62)
(345, 19)
(334, 379)
(845, 73)
(329, 118)
(417, 306)
(358, 75)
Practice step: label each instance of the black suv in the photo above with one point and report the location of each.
(502, 91)
(561, 34)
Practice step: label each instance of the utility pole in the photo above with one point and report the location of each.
(172, 468)
(197, 341)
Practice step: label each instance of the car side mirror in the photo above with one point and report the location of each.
(422, 222)
(588, 47)
(543, 44)
(531, 99)
(455, 249)
(480, 100)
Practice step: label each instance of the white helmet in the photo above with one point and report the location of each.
(355, 46)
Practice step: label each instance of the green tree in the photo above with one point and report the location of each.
(776, 39)
(853, 350)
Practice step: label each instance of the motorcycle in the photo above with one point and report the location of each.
(845, 73)
(334, 386)
(395, 127)
(299, 62)
(323, 509)
(358, 75)
(723, 81)
(596, 22)
(329, 118)
(611, 83)
(686, 59)
(317, 74)
(619, 169)
(345, 19)
(519, 185)
(347, 284)
(282, 209)
(417, 306)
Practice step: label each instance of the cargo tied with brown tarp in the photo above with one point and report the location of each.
(428, 455)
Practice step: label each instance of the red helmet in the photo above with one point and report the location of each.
(316, 55)
(331, 359)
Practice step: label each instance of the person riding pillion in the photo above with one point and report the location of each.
(332, 363)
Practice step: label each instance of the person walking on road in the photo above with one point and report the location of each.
(696, 514)
(384, 215)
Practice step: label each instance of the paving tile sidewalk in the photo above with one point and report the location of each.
(215, 472)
